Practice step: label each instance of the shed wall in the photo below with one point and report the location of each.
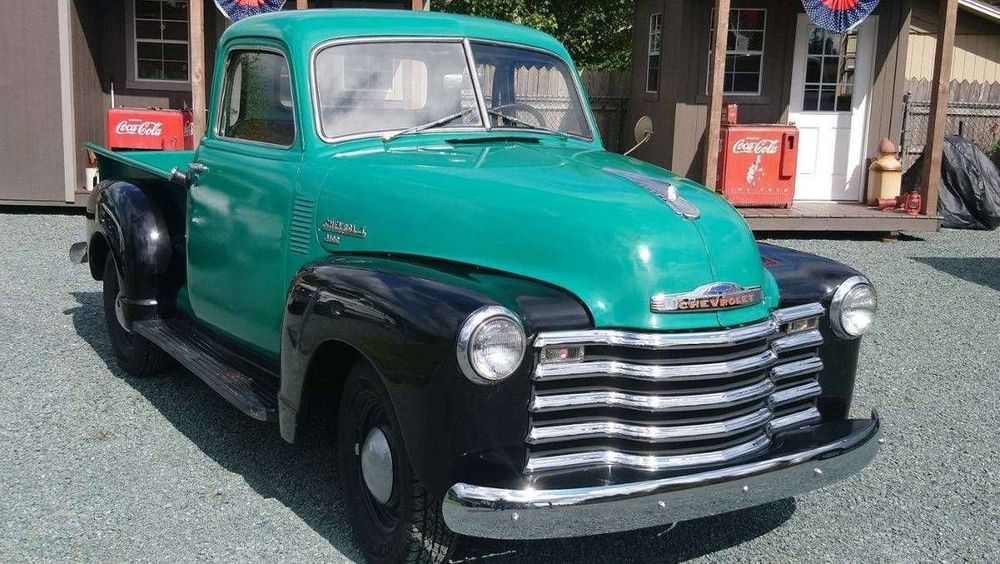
(31, 116)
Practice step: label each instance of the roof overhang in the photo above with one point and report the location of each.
(981, 9)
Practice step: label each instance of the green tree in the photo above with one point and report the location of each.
(598, 33)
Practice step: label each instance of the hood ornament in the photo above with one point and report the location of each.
(710, 297)
(665, 191)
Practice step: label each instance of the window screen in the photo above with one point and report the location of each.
(257, 104)
(744, 51)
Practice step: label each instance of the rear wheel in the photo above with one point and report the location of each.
(394, 519)
(134, 353)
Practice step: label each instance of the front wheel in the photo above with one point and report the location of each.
(394, 519)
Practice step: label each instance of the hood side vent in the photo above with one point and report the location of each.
(300, 227)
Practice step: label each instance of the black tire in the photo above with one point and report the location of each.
(409, 527)
(134, 353)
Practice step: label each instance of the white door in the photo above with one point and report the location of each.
(831, 89)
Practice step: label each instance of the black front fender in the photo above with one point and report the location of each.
(403, 317)
(805, 278)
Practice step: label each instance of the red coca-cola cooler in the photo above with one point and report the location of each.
(757, 164)
(165, 130)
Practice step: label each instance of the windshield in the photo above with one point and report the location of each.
(392, 86)
(531, 87)
(383, 86)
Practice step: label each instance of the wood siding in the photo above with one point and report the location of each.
(31, 128)
(976, 56)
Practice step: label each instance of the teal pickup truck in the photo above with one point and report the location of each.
(519, 334)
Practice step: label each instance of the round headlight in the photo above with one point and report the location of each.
(491, 344)
(852, 311)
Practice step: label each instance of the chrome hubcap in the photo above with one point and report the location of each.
(376, 465)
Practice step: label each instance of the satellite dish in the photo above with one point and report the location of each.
(237, 10)
(643, 132)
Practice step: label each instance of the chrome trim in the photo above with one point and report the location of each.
(838, 298)
(483, 511)
(647, 402)
(795, 313)
(797, 419)
(649, 433)
(477, 87)
(796, 341)
(468, 330)
(666, 192)
(655, 373)
(810, 389)
(660, 341)
(645, 461)
(796, 368)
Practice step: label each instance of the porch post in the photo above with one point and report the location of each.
(302, 4)
(198, 97)
(716, 74)
(936, 122)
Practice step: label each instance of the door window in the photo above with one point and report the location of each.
(830, 68)
(257, 104)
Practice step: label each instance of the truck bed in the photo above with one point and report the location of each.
(139, 165)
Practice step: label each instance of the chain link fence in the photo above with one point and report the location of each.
(978, 122)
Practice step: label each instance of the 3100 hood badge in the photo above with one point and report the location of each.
(710, 297)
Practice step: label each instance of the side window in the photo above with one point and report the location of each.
(256, 102)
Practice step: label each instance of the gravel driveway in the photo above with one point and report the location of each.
(96, 465)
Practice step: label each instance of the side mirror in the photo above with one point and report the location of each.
(643, 133)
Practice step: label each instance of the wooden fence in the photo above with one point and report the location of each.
(961, 91)
(609, 96)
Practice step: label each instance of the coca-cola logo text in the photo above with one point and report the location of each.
(139, 127)
(753, 146)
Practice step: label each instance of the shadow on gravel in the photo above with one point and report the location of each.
(303, 478)
(984, 271)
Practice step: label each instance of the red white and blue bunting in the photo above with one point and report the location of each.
(839, 16)
(237, 10)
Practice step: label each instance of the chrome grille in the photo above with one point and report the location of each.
(659, 401)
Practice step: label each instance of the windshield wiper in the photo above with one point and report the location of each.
(498, 113)
(436, 123)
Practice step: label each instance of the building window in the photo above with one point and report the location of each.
(744, 51)
(160, 41)
(653, 53)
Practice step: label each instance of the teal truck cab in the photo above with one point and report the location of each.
(520, 334)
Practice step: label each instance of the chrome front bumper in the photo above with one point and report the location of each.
(480, 511)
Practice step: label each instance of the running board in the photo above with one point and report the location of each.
(252, 388)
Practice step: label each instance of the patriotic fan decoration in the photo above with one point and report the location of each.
(839, 16)
(236, 10)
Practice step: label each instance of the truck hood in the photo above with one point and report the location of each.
(562, 215)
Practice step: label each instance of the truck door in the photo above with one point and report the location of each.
(245, 172)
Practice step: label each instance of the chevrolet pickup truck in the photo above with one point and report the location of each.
(519, 334)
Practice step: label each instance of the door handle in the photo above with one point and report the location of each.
(197, 168)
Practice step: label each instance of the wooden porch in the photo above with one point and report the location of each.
(836, 216)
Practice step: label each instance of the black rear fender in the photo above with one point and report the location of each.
(129, 224)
